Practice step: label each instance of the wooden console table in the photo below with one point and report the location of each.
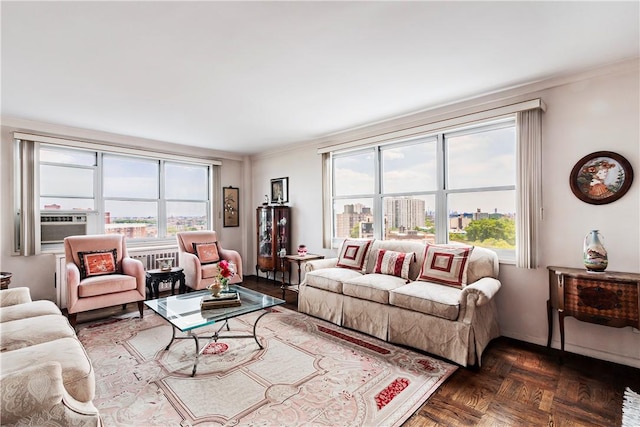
(606, 298)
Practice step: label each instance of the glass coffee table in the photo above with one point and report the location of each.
(184, 314)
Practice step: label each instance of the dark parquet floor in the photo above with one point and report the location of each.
(519, 384)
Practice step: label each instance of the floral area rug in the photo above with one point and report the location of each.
(310, 373)
(631, 409)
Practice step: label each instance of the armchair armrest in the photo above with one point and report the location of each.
(233, 256)
(25, 400)
(319, 264)
(191, 265)
(133, 267)
(14, 296)
(484, 289)
(73, 280)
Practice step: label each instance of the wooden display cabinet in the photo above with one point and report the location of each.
(273, 225)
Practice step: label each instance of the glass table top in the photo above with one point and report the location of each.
(183, 311)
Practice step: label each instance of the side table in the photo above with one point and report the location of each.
(157, 276)
(606, 298)
(298, 259)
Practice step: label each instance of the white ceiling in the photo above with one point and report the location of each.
(248, 76)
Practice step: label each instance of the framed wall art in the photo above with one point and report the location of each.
(230, 197)
(280, 190)
(601, 177)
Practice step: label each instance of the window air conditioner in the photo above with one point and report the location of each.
(55, 226)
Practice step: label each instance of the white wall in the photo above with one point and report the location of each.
(593, 112)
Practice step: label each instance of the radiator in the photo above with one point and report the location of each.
(147, 256)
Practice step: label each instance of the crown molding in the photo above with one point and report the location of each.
(488, 100)
(52, 130)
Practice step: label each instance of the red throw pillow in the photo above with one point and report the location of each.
(97, 263)
(446, 265)
(394, 263)
(353, 254)
(206, 252)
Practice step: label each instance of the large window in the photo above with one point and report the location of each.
(452, 186)
(142, 198)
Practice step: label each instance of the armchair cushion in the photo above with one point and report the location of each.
(209, 270)
(97, 263)
(103, 285)
(446, 265)
(207, 253)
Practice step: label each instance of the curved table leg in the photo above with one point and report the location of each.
(173, 337)
(255, 325)
(195, 363)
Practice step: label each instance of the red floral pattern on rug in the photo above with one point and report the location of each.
(426, 365)
(215, 348)
(385, 396)
(353, 340)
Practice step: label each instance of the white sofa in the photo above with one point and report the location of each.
(456, 324)
(46, 377)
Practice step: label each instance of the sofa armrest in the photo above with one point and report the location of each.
(484, 289)
(319, 264)
(14, 296)
(36, 396)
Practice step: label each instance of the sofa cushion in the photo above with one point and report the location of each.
(207, 253)
(330, 279)
(34, 330)
(393, 263)
(103, 285)
(77, 373)
(353, 254)
(97, 263)
(428, 298)
(28, 309)
(372, 287)
(446, 265)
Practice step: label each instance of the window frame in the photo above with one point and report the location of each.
(441, 193)
(99, 198)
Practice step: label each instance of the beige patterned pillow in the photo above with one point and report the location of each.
(353, 253)
(393, 263)
(446, 265)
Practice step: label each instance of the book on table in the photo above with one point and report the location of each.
(225, 299)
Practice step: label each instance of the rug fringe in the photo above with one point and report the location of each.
(631, 409)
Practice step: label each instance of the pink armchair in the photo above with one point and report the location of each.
(100, 274)
(199, 275)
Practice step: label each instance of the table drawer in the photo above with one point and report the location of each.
(603, 302)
